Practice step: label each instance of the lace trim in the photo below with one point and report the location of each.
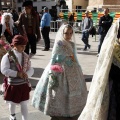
(116, 62)
(116, 57)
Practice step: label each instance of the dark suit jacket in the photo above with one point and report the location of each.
(105, 23)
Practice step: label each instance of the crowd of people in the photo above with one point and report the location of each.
(60, 94)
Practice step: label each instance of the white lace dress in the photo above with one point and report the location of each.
(97, 104)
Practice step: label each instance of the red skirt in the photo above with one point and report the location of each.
(17, 93)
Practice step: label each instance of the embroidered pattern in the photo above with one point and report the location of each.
(69, 97)
(116, 57)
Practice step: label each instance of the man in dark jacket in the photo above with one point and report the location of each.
(29, 18)
(105, 23)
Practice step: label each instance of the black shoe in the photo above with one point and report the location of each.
(45, 49)
(89, 46)
(31, 55)
(84, 49)
(12, 117)
(98, 55)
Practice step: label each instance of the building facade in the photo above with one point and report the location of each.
(72, 5)
(17, 4)
(7, 4)
(38, 4)
(113, 5)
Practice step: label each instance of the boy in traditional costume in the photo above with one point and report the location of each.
(17, 89)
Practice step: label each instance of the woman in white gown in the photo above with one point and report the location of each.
(100, 104)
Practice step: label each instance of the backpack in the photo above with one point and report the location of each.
(92, 31)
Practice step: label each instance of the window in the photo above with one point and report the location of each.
(8, 3)
(19, 9)
(2, 3)
(43, 7)
(78, 8)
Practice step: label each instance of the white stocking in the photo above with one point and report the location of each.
(12, 107)
(24, 110)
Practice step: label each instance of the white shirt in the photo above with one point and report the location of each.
(5, 66)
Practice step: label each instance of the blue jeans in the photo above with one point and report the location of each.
(85, 36)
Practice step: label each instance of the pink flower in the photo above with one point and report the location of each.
(7, 47)
(56, 68)
(2, 43)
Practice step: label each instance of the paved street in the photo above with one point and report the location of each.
(87, 60)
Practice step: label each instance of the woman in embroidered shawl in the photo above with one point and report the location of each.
(7, 25)
(61, 91)
(103, 102)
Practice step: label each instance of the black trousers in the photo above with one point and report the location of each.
(101, 39)
(31, 44)
(45, 33)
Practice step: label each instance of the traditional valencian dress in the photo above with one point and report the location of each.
(13, 91)
(61, 94)
(103, 102)
(8, 37)
(6, 29)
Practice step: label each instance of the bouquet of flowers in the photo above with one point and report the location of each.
(56, 69)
